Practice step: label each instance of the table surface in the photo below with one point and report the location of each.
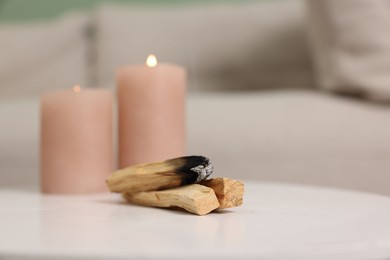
(276, 221)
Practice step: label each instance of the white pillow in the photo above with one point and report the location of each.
(228, 46)
(36, 57)
(351, 46)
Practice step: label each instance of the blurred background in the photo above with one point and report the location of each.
(279, 90)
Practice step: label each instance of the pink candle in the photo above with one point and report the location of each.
(76, 140)
(151, 101)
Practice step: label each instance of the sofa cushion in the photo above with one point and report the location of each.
(302, 137)
(19, 142)
(39, 56)
(287, 136)
(223, 46)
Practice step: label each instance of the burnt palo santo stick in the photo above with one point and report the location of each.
(160, 175)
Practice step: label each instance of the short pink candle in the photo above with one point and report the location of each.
(151, 101)
(76, 141)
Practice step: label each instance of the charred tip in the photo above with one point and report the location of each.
(197, 168)
(203, 170)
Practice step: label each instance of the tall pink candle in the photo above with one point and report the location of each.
(76, 140)
(151, 101)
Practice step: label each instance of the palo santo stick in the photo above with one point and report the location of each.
(229, 192)
(194, 198)
(160, 175)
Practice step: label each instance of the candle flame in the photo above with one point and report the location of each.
(76, 88)
(151, 61)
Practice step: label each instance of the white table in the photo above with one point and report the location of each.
(276, 222)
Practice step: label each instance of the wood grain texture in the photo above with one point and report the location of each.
(229, 192)
(194, 198)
